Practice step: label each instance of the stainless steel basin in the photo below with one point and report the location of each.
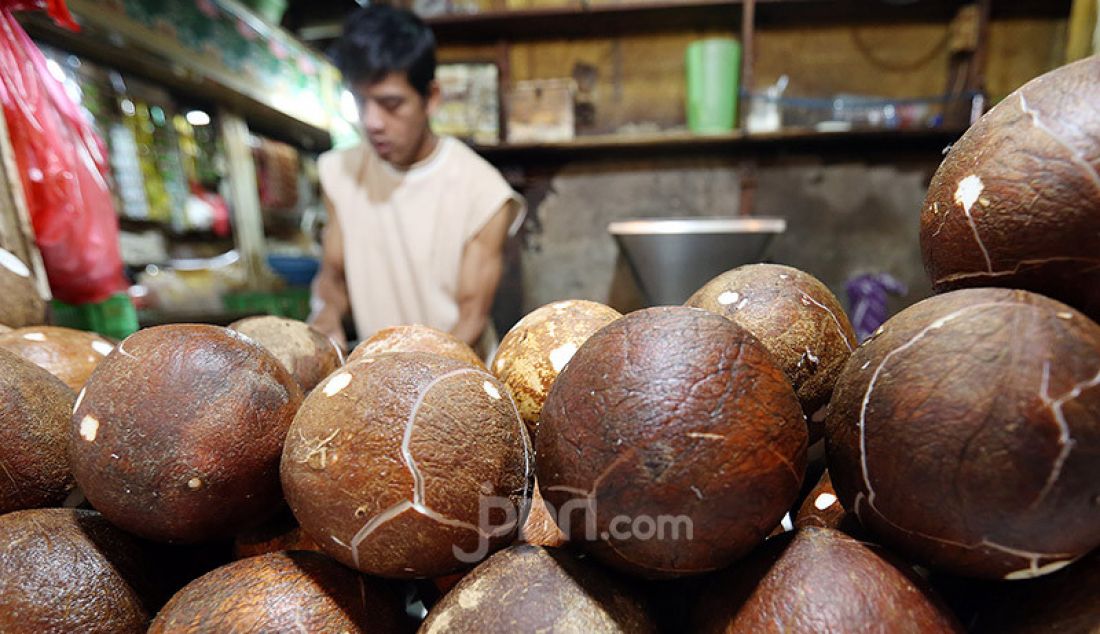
(672, 257)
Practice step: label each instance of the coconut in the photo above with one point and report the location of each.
(965, 433)
(280, 532)
(1015, 201)
(177, 565)
(822, 508)
(443, 585)
(34, 420)
(22, 305)
(307, 354)
(531, 589)
(821, 580)
(409, 465)
(1065, 601)
(541, 528)
(282, 592)
(177, 436)
(70, 355)
(795, 316)
(416, 338)
(671, 444)
(66, 570)
(534, 352)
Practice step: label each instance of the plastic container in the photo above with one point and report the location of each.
(296, 270)
(114, 317)
(292, 303)
(713, 81)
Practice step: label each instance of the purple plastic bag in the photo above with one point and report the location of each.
(867, 295)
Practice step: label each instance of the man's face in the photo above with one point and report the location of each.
(394, 117)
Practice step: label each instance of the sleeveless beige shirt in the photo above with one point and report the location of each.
(404, 231)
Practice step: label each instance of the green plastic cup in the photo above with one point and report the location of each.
(713, 78)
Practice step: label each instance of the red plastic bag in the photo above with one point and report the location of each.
(62, 165)
(56, 8)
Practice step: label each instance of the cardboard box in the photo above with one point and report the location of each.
(470, 109)
(541, 111)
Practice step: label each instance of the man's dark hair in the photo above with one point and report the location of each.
(379, 40)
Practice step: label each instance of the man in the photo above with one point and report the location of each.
(417, 222)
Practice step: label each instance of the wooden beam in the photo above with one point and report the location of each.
(609, 19)
(748, 58)
(975, 81)
(762, 150)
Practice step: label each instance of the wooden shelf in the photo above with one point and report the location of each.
(779, 13)
(118, 53)
(602, 20)
(199, 236)
(854, 143)
(594, 20)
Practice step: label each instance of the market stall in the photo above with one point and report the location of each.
(726, 316)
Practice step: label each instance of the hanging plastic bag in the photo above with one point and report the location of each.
(867, 298)
(56, 8)
(62, 165)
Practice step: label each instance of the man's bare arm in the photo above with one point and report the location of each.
(479, 273)
(329, 302)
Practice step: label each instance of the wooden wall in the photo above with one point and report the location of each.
(890, 61)
(641, 78)
(1020, 50)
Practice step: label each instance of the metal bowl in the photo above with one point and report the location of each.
(673, 257)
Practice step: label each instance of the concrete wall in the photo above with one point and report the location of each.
(850, 219)
(569, 252)
(843, 219)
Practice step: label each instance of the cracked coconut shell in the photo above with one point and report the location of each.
(390, 462)
(22, 305)
(1064, 601)
(416, 338)
(70, 355)
(965, 434)
(177, 436)
(794, 315)
(35, 407)
(1016, 202)
(531, 589)
(536, 349)
(822, 508)
(67, 570)
(821, 580)
(280, 532)
(671, 417)
(541, 529)
(307, 354)
(297, 591)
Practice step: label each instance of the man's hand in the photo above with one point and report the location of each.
(479, 273)
(329, 302)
